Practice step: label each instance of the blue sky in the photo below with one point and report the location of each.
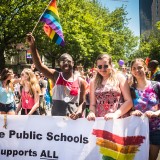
(132, 7)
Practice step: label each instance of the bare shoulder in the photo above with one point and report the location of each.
(120, 77)
(55, 75)
(83, 81)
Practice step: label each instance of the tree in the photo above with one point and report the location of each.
(150, 43)
(17, 18)
(89, 29)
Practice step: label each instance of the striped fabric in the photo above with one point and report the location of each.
(114, 147)
(52, 26)
(63, 89)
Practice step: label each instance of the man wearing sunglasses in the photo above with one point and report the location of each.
(69, 90)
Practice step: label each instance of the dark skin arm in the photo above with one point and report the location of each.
(53, 74)
(49, 73)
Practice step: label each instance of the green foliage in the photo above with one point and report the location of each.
(150, 44)
(88, 28)
(17, 18)
(158, 25)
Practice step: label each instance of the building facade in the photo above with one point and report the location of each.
(145, 13)
(149, 12)
(22, 60)
(155, 11)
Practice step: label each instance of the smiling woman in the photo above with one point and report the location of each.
(106, 90)
(146, 101)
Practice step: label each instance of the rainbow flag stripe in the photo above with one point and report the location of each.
(130, 140)
(52, 25)
(114, 147)
(117, 147)
(116, 155)
(28, 55)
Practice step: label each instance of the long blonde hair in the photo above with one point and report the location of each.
(112, 78)
(33, 82)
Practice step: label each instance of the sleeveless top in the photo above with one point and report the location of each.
(65, 99)
(27, 100)
(147, 100)
(6, 97)
(107, 99)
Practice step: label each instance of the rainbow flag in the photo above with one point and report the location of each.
(114, 147)
(52, 25)
(28, 54)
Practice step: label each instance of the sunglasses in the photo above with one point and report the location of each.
(102, 66)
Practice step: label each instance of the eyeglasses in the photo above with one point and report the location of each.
(102, 66)
(64, 61)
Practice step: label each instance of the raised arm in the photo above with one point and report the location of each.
(37, 60)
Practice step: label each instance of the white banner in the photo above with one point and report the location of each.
(60, 138)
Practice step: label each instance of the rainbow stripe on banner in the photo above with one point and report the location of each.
(114, 147)
(52, 25)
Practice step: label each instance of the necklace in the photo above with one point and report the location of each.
(26, 97)
(67, 98)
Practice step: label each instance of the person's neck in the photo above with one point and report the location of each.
(26, 86)
(106, 78)
(67, 75)
(142, 84)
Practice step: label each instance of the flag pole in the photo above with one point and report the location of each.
(40, 18)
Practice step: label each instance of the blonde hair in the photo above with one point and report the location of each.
(33, 82)
(112, 78)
